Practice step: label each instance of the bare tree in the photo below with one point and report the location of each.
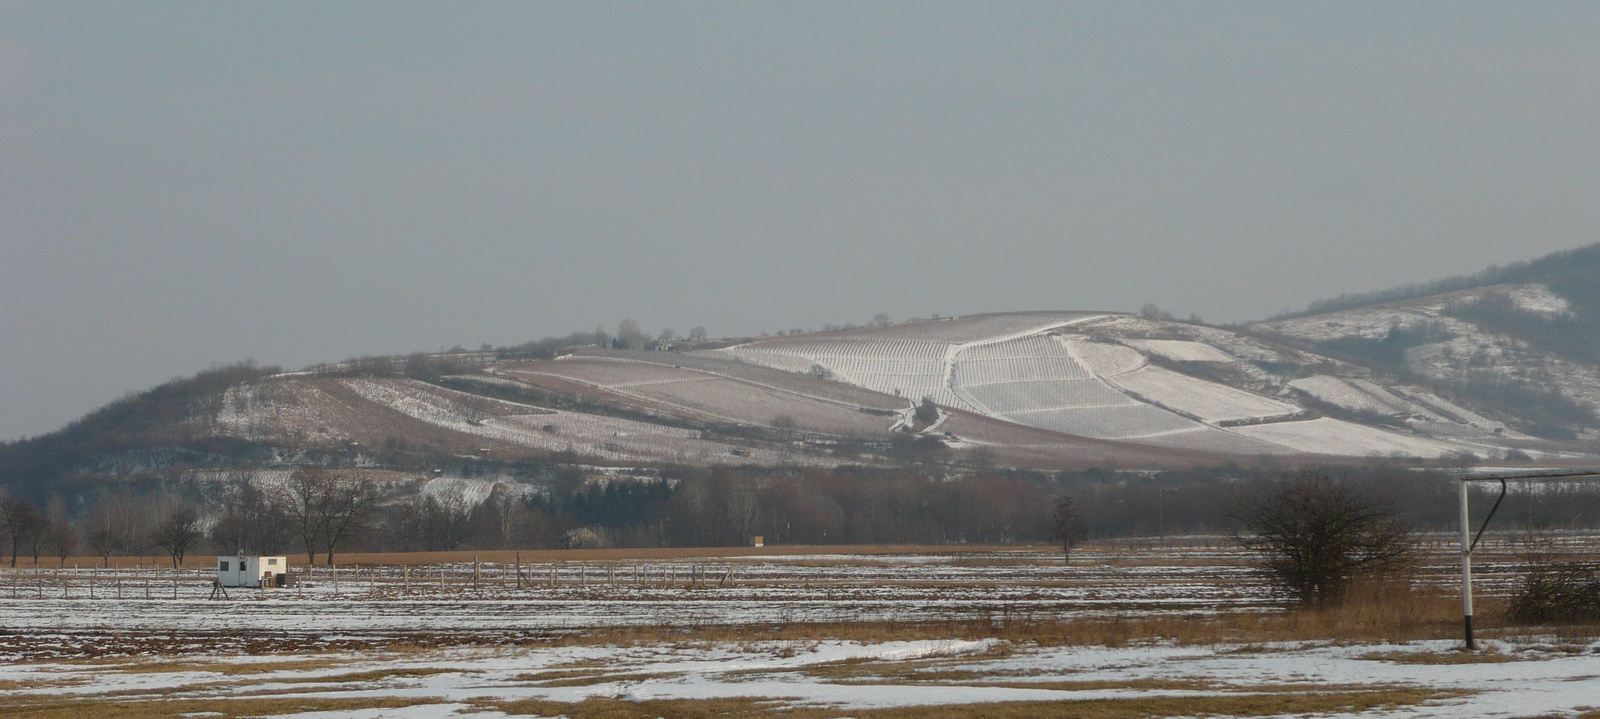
(300, 500)
(325, 507)
(22, 524)
(249, 518)
(64, 539)
(177, 533)
(441, 523)
(1068, 526)
(63, 536)
(505, 508)
(39, 538)
(697, 333)
(743, 509)
(126, 515)
(1152, 312)
(1314, 536)
(350, 501)
(105, 543)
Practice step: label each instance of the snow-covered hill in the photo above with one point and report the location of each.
(1502, 366)
(1150, 382)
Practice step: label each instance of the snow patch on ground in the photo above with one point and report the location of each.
(1530, 682)
(1326, 435)
(1352, 394)
(1538, 299)
(468, 492)
(1181, 350)
(1210, 401)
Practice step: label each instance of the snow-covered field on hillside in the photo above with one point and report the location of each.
(1326, 435)
(904, 368)
(591, 435)
(1062, 377)
(1209, 401)
(1182, 350)
(719, 397)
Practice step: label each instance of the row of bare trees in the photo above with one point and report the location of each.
(315, 509)
(175, 529)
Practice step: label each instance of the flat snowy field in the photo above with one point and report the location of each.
(566, 596)
(844, 678)
(820, 635)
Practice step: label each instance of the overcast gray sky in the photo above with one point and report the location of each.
(188, 184)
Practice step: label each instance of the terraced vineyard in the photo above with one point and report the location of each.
(1093, 376)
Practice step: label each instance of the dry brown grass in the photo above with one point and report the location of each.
(1388, 613)
(1250, 705)
(1461, 657)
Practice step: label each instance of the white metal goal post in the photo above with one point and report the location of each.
(1470, 540)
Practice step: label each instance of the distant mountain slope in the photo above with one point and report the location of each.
(1519, 344)
(1573, 274)
(1503, 365)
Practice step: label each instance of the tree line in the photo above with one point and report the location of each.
(320, 511)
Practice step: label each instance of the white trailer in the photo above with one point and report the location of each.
(244, 570)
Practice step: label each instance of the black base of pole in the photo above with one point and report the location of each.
(1470, 643)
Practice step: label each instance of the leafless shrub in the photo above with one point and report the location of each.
(1554, 589)
(1315, 536)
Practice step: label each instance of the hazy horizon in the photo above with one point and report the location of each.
(188, 184)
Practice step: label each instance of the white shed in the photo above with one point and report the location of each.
(243, 570)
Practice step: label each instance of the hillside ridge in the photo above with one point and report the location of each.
(1496, 366)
